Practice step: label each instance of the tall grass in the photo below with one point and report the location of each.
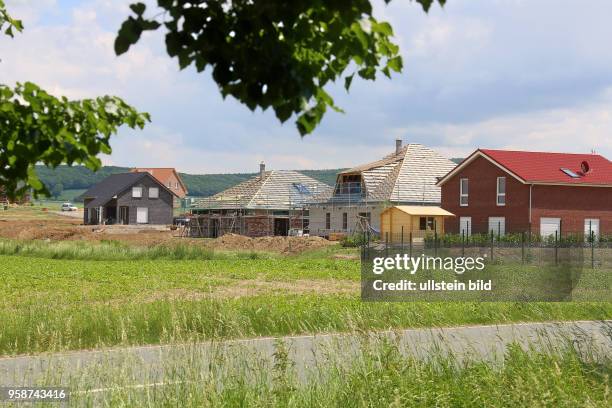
(381, 376)
(39, 326)
(115, 250)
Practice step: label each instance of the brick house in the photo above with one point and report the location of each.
(517, 191)
(271, 203)
(128, 198)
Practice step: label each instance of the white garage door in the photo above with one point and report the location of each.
(591, 226)
(550, 226)
(497, 225)
(142, 215)
(465, 226)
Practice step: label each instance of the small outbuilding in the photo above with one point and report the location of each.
(416, 221)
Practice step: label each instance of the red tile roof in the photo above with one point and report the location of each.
(164, 175)
(542, 167)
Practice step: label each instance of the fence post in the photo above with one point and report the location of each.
(592, 250)
(492, 236)
(523, 247)
(410, 244)
(556, 247)
(402, 240)
(463, 243)
(387, 244)
(435, 243)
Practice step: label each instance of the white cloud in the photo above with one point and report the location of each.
(506, 74)
(576, 130)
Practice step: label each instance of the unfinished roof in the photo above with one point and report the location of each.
(277, 190)
(427, 210)
(407, 176)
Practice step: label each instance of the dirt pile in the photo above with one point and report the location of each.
(272, 244)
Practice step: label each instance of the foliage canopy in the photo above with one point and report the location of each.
(36, 127)
(279, 54)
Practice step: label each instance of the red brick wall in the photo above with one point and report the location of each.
(482, 176)
(571, 204)
(258, 226)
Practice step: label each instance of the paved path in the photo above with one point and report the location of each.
(149, 364)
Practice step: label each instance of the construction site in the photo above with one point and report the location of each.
(273, 203)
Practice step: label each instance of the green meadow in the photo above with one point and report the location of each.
(74, 295)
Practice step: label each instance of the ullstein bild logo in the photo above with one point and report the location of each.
(506, 274)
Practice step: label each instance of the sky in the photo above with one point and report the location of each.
(507, 74)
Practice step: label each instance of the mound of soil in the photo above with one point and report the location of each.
(272, 244)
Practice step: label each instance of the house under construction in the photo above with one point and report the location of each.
(271, 203)
(408, 176)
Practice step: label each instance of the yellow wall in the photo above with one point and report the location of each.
(392, 220)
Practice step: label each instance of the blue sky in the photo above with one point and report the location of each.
(513, 74)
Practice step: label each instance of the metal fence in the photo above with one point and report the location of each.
(592, 250)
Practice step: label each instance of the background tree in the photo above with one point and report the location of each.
(274, 53)
(57, 190)
(36, 127)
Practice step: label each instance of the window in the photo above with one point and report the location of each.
(142, 215)
(501, 191)
(136, 192)
(463, 192)
(465, 226)
(327, 221)
(344, 221)
(427, 223)
(153, 192)
(591, 229)
(497, 226)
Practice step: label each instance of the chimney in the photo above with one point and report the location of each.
(398, 145)
(262, 169)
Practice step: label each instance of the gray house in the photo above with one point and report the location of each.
(128, 198)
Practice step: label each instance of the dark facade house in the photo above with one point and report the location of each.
(542, 193)
(128, 198)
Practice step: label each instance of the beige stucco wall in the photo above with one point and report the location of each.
(317, 218)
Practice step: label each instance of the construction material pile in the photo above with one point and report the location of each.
(234, 242)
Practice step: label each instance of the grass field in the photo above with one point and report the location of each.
(80, 301)
(73, 295)
(381, 377)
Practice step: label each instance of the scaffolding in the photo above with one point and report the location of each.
(257, 207)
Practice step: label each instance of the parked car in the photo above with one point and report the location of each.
(69, 207)
(180, 221)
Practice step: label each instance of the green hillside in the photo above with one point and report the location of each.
(73, 181)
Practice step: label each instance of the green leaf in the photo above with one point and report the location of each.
(129, 34)
(138, 8)
(348, 81)
(395, 64)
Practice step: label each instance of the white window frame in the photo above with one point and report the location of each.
(462, 194)
(498, 226)
(468, 231)
(134, 190)
(501, 194)
(595, 221)
(156, 189)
